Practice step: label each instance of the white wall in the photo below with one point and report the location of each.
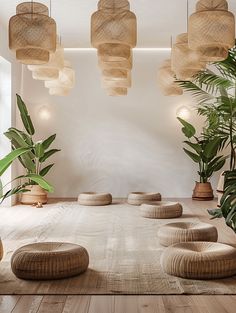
(114, 144)
(10, 81)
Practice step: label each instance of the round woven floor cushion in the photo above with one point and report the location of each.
(49, 260)
(138, 198)
(199, 260)
(162, 210)
(93, 198)
(172, 233)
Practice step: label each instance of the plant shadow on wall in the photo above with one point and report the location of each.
(32, 155)
(215, 91)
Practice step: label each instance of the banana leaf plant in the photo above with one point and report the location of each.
(227, 209)
(34, 156)
(203, 151)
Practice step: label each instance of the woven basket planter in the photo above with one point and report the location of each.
(173, 233)
(161, 210)
(138, 198)
(95, 199)
(212, 30)
(49, 260)
(32, 33)
(34, 195)
(199, 260)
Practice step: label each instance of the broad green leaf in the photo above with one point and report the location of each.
(196, 158)
(40, 181)
(39, 149)
(8, 159)
(45, 170)
(188, 129)
(211, 148)
(25, 116)
(48, 141)
(194, 146)
(216, 213)
(1, 188)
(47, 155)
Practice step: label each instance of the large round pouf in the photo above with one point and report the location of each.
(172, 233)
(162, 210)
(199, 260)
(138, 198)
(49, 260)
(93, 198)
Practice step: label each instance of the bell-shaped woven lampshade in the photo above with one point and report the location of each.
(64, 83)
(117, 91)
(212, 30)
(50, 70)
(32, 33)
(113, 28)
(185, 62)
(166, 80)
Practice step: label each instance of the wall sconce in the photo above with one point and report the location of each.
(183, 112)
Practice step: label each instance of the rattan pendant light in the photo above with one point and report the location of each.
(166, 80)
(32, 33)
(185, 62)
(114, 34)
(64, 83)
(212, 29)
(50, 70)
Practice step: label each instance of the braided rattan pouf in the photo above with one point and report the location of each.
(199, 260)
(172, 233)
(162, 210)
(49, 260)
(94, 199)
(138, 198)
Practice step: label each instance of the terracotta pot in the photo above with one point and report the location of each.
(35, 195)
(203, 192)
(220, 188)
(1, 249)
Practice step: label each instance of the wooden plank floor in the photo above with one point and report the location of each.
(117, 304)
(130, 304)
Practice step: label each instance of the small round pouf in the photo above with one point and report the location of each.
(49, 260)
(162, 210)
(172, 233)
(199, 260)
(138, 198)
(93, 198)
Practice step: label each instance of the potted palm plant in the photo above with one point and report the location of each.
(203, 150)
(36, 187)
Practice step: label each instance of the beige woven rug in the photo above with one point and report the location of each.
(123, 247)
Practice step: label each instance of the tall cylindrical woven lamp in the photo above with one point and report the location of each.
(50, 70)
(32, 33)
(185, 62)
(212, 30)
(166, 80)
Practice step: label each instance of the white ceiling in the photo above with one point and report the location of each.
(158, 20)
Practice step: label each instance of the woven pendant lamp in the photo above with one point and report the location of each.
(64, 83)
(166, 80)
(117, 91)
(115, 74)
(32, 33)
(113, 5)
(111, 83)
(114, 52)
(50, 70)
(125, 64)
(185, 62)
(212, 30)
